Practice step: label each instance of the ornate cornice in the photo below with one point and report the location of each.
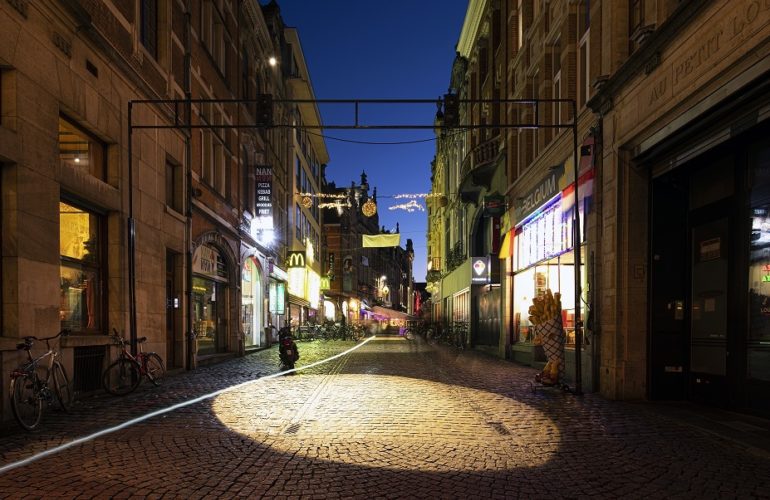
(646, 57)
(471, 26)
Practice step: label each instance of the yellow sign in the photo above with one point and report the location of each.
(325, 283)
(295, 259)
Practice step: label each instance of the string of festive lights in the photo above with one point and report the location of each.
(369, 208)
(410, 206)
(396, 196)
(334, 204)
(416, 195)
(323, 195)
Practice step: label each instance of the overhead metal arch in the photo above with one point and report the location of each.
(179, 112)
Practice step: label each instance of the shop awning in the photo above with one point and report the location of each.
(390, 313)
(506, 249)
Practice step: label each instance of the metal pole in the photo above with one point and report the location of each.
(576, 247)
(190, 333)
(131, 236)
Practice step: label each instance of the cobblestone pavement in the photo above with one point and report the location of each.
(393, 419)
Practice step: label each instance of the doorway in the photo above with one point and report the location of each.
(172, 308)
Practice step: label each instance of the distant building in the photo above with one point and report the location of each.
(362, 281)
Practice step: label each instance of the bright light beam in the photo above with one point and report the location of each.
(20, 463)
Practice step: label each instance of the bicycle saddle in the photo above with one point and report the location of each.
(141, 339)
(24, 346)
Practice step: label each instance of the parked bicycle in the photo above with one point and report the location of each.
(39, 380)
(125, 374)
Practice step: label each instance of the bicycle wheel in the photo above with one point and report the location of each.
(154, 368)
(121, 377)
(61, 386)
(26, 404)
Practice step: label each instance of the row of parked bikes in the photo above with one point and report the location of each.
(42, 381)
(329, 331)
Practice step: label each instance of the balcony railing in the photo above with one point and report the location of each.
(481, 155)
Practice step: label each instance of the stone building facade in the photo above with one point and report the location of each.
(207, 263)
(683, 104)
(469, 174)
(670, 116)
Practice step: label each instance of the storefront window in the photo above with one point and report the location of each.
(209, 299)
(80, 280)
(758, 345)
(251, 302)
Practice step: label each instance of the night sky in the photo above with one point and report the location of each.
(400, 49)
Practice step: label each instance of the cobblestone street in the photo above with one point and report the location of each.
(394, 418)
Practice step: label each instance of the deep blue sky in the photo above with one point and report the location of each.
(401, 49)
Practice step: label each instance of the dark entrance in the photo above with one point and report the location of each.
(172, 306)
(710, 278)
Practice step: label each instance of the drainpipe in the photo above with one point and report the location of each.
(131, 237)
(190, 335)
(576, 242)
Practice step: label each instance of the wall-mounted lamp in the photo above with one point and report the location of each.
(272, 61)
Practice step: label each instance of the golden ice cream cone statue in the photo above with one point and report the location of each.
(545, 314)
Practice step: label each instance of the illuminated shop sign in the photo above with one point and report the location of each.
(264, 203)
(546, 235)
(295, 259)
(544, 191)
(480, 267)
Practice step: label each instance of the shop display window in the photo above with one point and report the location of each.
(556, 274)
(80, 270)
(758, 342)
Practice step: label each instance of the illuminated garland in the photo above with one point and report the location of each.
(396, 196)
(411, 206)
(417, 195)
(369, 208)
(322, 195)
(334, 204)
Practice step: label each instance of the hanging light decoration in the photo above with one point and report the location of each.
(369, 208)
(307, 201)
(410, 207)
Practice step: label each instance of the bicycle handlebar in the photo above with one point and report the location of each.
(62, 333)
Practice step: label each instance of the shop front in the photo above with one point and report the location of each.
(210, 292)
(541, 256)
(252, 303)
(304, 287)
(276, 302)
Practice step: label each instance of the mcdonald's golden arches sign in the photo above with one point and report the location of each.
(295, 259)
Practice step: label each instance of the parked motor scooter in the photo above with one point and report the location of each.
(287, 348)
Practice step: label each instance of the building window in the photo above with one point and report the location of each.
(249, 183)
(81, 150)
(173, 186)
(556, 65)
(245, 74)
(584, 77)
(635, 21)
(213, 32)
(520, 24)
(81, 280)
(213, 151)
(148, 28)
